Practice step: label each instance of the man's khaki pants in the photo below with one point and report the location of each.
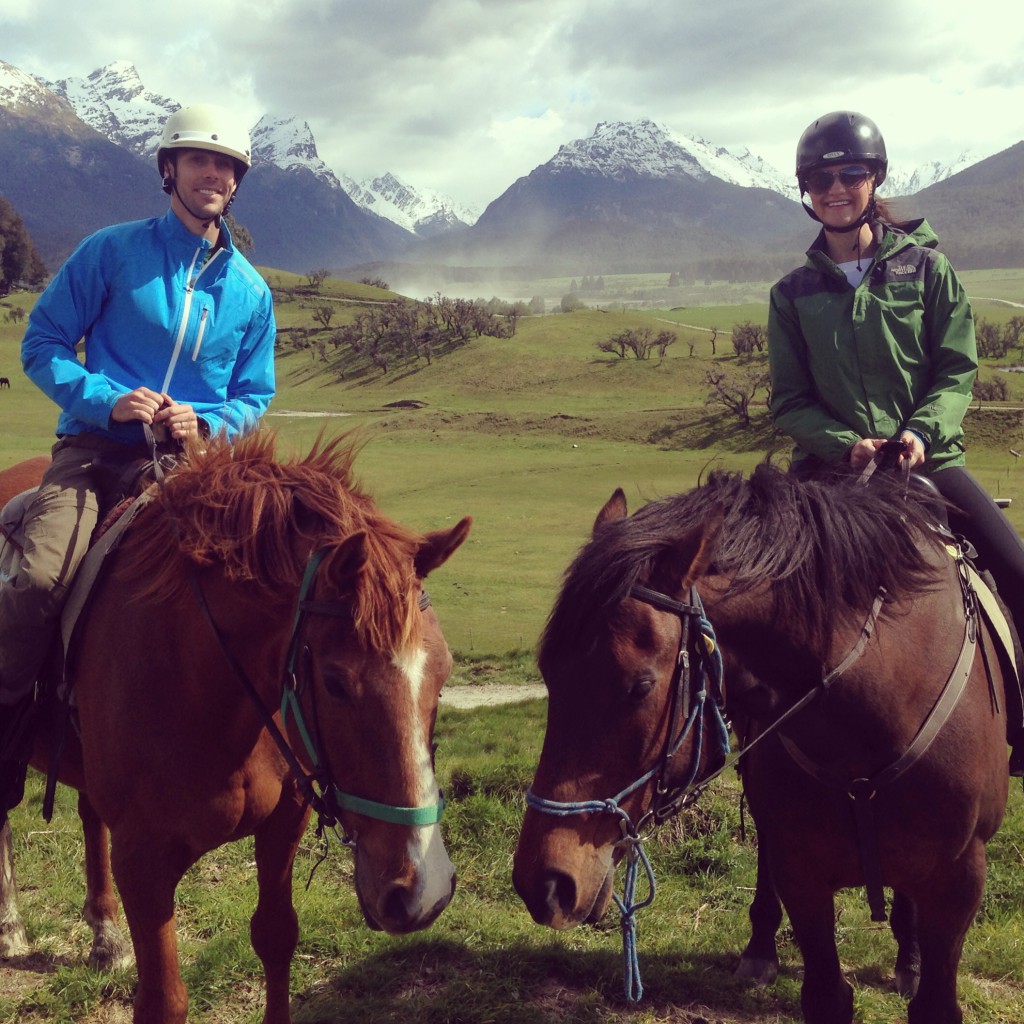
(58, 526)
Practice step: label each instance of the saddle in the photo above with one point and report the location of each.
(124, 481)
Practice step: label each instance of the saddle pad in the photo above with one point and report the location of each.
(89, 570)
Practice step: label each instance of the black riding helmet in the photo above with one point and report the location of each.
(844, 136)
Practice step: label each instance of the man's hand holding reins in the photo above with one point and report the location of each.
(153, 407)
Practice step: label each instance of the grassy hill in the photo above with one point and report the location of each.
(528, 434)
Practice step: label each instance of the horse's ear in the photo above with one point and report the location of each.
(348, 558)
(689, 558)
(439, 545)
(308, 522)
(614, 509)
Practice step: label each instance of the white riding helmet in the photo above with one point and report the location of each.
(206, 127)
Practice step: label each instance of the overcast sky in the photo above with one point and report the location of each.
(466, 96)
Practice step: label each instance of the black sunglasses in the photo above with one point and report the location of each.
(849, 177)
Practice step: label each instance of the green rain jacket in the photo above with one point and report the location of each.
(896, 353)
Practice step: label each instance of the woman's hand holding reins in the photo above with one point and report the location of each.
(865, 450)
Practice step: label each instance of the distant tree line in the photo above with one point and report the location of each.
(639, 342)
(995, 341)
(20, 264)
(587, 284)
(395, 333)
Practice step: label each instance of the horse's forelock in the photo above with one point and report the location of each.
(385, 612)
(240, 506)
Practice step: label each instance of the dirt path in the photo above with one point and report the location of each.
(491, 693)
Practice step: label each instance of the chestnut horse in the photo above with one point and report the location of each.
(263, 596)
(842, 621)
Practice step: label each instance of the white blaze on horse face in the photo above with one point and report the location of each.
(426, 847)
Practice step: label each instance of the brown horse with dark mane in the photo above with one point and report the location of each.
(842, 621)
(260, 641)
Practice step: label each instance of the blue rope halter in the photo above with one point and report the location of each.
(692, 689)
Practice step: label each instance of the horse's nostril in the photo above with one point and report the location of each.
(397, 907)
(559, 893)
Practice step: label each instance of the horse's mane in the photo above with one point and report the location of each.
(825, 547)
(257, 516)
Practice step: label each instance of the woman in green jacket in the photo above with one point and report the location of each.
(872, 339)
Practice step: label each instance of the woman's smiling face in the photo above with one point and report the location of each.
(841, 203)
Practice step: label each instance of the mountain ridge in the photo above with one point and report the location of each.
(632, 195)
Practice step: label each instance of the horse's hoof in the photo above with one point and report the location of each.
(757, 971)
(13, 942)
(110, 950)
(907, 981)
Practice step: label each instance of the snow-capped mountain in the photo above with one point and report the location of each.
(629, 149)
(644, 148)
(288, 143)
(632, 195)
(897, 184)
(425, 212)
(114, 101)
(19, 91)
(79, 136)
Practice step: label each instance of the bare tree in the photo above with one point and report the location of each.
(615, 345)
(323, 315)
(994, 390)
(317, 277)
(991, 340)
(748, 338)
(664, 340)
(735, 393)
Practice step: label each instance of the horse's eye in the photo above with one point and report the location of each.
(335, 686)
(639, 691)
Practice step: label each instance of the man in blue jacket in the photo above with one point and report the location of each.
(178, 333)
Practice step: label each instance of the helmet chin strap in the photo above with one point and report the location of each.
(868, 216)
(170, 185)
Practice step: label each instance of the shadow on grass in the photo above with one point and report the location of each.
(431, 982)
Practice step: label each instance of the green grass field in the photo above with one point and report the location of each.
(484, 961)
(529, 435)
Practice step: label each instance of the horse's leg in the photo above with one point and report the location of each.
(826, 996)
(109, 946)
(13, 940)
(147, 874)
(945, 910)
(760, 960)
(274, 929)
(903, 921)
